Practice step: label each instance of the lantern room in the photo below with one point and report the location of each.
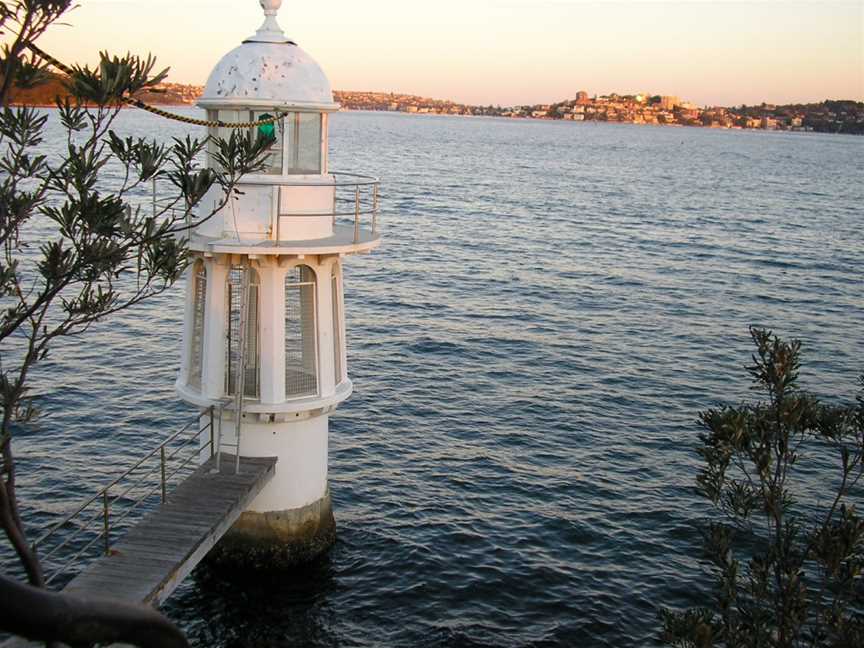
(269, 77)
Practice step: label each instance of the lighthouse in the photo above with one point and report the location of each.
(263, 349)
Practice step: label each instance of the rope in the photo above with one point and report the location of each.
(137, 103)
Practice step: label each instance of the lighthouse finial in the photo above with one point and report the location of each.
(269, 31)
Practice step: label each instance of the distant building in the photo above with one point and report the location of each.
(668, 102)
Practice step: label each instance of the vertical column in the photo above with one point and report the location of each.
(325, 153)
(213, 370)
(324, 301)
(272, 327)
(188, 316)
(339, 325)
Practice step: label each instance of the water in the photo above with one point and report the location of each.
(552, 306)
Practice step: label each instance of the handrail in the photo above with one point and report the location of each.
(84, 521)
(330, 179)
(365, 203)
(289, 181)
(362, 203)
(69, 517)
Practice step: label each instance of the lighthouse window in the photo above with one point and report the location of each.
(227, 116)
(196, 344)
(337, 325)
(303, 155)
(273, 133)
(301, 341)
(249, 368)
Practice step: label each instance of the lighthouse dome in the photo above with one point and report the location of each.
(268, 69)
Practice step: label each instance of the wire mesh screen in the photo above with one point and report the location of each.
(301, 349)
(337, 327)
(197, 342)
(232, 351)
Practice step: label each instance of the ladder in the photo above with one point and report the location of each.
(240, 380)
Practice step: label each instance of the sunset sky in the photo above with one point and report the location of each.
(510, 51)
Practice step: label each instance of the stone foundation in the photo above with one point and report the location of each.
(277, 539)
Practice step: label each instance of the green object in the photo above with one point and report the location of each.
(267, 131)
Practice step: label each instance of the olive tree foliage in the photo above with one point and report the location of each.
(75, 251)
(788, 561)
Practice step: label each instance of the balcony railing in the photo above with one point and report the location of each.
(355, 199)
(355, 202)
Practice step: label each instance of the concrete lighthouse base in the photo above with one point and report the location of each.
(278, 540)
(290, 522)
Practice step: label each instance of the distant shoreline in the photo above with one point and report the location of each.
(829, 116)
(524, 117)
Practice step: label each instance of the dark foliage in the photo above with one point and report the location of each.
(788, 572)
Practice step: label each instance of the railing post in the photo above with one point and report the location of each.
(219, 446)
(375, 209)
(357, 214)
(162, 466)
(212, 435)
(105, 525)
(335, 189)
(154, 196)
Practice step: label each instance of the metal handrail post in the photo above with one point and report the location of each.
(357, 214)
(162, 467)
(212, 435)
(374, 209)
(219, 443)
(105, 524)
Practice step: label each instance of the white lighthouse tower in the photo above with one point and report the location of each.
(264, 332)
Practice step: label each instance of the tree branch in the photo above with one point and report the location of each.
(41, 615)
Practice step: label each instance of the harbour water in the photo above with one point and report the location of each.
(552, 306)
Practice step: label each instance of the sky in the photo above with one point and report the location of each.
(510, 52)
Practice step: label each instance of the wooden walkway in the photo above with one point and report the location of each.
(155, 555)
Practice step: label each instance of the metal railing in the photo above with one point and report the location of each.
(95, 521)
(355, 198)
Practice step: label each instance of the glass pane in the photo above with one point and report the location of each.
(227, 116)
(306, 144)
(213, 132)
(290, 126)
(275, 133)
